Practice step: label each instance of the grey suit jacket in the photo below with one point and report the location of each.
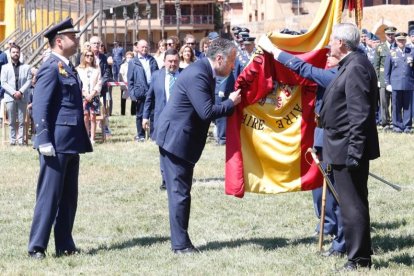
(8, 81)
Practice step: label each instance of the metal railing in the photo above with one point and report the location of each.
(189, 19)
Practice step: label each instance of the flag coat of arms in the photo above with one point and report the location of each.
(271, 130)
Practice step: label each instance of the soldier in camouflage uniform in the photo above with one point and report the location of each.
(382, 51)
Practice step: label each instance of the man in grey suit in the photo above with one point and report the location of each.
(16, 79)
(181, 132)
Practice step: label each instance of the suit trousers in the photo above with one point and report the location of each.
(56, 202)
(385, 99)
(402, 109)
(138, 118)
(178, 175)
(16, 110)
(353, 196)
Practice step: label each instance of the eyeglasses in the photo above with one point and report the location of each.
(190, 43)
(88, 55)
(170, 44)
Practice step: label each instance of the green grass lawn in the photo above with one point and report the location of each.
(122, 220)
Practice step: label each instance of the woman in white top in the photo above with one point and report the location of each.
(123, 72)
(159, 55)
(186, 56)
(90, 76)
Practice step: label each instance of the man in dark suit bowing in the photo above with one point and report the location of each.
(161, 87)
(60, 137)
(350, 138)
(181, 132)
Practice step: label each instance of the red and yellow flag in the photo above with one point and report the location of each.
(270, 131)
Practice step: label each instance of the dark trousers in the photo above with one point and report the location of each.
(353, 195)
(56, 202)
(178, 175)
(138, 119)
(333, 224)
(123, 106)
(115, 70)
(401, 109)
(385, 99)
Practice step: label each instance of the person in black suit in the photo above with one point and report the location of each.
(181, 132)
(60, 137)
(350, 138)
(161, 87)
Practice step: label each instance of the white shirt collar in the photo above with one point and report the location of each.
(212, 68)
(65, 60)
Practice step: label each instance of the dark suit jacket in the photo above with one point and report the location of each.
(137, 81)
(106, 72)
(57, 109)
(348, 112)
(183, 124)
(155, 97)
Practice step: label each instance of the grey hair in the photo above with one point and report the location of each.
(348, 33)
(220, 46)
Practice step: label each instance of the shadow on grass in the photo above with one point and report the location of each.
(144, 241)
(265, 243)
(209, 179)
(389, 243)
(402, 259)
(389, 224)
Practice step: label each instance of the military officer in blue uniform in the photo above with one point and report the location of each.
(60, 137)
(399, 78)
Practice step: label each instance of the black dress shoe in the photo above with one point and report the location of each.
(61, 253)
(332, 253)
(38, 255)
(188, 250)
(353, 266)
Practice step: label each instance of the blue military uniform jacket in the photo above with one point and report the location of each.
(118, 54)
(57, 108)
(399, 70)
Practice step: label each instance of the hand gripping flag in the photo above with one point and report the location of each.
(271, 129)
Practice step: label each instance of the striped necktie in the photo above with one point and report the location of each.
(171, 82)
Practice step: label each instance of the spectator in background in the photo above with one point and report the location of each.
(123, 73)
(3, 61)
(10, 43)
(190, 40)
(102, 61)
(139, 74)
(85, 47)
(16, 79)
(159, 55)
(186, 56)
(118, 54)
(204, 43)
(173, 42)
(90, 76)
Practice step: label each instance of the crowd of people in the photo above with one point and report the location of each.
(190, 88)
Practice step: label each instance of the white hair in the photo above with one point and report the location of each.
(348, 33)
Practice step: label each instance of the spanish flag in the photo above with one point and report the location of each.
(270, 131)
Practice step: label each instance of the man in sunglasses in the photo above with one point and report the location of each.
(190, 40)
(383, 50)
